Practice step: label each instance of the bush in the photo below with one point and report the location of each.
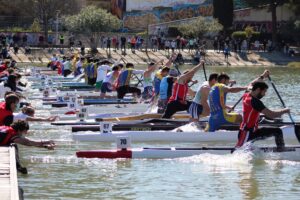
(243, 35)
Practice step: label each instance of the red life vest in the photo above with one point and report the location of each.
(179, 92)
(250, 115)
(7, 133)
(4, 113)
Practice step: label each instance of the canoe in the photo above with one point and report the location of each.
(189, 135)
(108, 108)
(288, 153)
(147, 125)
(93, 102)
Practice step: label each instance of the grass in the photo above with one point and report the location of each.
(294, 64)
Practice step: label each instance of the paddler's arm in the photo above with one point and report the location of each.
(189, 75)
(204, 97)
(234, 89)
(43, 144)
(275, 113)
(41, 119)
(170, 61)
(260, 78)
(153, 68)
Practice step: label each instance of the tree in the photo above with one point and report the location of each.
(200, 26)
(42, 10)
(91, 21)
(273, 4)
(223, 11)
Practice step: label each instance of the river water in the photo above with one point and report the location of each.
(59, 174)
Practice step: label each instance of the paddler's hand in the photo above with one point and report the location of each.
(53, 118)
(285, 111)
(49, 144)
(266, 74)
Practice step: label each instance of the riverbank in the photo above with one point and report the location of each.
(40, 56)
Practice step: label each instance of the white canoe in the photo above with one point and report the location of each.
(171, 136)
(100, 109)
(289, 153)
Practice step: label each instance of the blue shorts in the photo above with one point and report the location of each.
(216, 120)
(195, 110)
(106, 87)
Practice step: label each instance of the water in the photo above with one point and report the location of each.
(59, 174)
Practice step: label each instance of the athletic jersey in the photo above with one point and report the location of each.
(79, 65)
(7, 135)
(101, 72)
(4, 113)
(67, 65)
(147, 82)
(124, 78)
(197, 98)
(20, 116)
(91, 70)
(251, 109)
(166, 86)
(217, 98)
(110, 78)
(179, 92)
(157, 79)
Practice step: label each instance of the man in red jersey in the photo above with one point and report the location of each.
(252, 107)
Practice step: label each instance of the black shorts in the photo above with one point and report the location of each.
(175, 106)
(123, 90)
(106, 87)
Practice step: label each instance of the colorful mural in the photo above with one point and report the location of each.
(132, 5)
(118, 7)
(179, 10)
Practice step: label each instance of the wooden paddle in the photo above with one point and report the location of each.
(283, 104)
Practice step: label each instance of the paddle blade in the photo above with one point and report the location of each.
(297, 132)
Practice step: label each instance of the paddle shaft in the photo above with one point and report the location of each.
(204, 72)
(281, 100)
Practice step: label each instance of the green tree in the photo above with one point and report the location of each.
(273, 4)
(199, 27)
(223, 11)
(91, 21)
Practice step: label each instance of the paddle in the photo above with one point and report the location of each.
(204, 72)
(283, 104)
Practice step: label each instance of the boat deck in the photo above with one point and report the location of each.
(8, 174)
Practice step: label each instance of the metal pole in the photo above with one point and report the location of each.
(56, 27)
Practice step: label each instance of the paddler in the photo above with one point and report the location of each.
(124, 79)
(11, 104)
(27, 114)
(162, 72)
(252, 107)
(15, 134)
(217, 103)
(108, 82)
(147, 80)
(178, 101)
(200, 105)
(102, 69)
(165, 91)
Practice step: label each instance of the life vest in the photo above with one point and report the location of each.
(4, 113)
(179, 92)
(217, 98)
(250, 115)
(157, 80)
(124, 78)
(165, 90)
(6, 134)
(90, 70)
